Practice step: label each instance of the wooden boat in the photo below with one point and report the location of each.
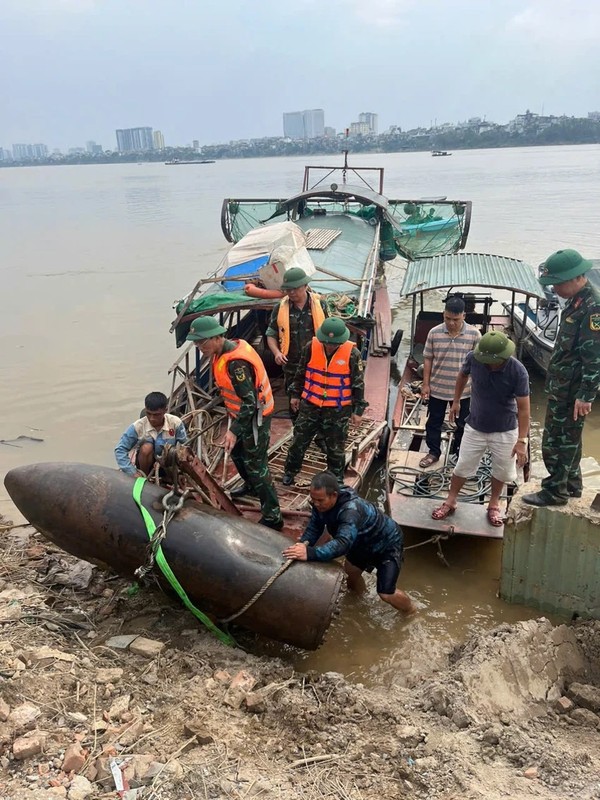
(343, 233)
(537, 325)
(483, 281)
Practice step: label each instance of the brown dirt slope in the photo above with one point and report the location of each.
(514, 714)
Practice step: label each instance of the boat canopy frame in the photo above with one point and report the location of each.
(471, 270)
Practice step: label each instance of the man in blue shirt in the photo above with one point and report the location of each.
(143, 441)
(498, 420)
(360, 531)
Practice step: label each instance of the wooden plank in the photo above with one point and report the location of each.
(320, 238)
(379, 328)
(406, 458)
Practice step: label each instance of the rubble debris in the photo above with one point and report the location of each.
(513, 712)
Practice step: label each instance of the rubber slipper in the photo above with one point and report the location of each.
(495, 516)
(428, 460)
(443, 511)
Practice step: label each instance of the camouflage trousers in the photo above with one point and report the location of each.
(561, 449)
(331, 425)
(289, 373)
(251, 461)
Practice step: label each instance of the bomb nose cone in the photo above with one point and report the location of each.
(16, 480)
(25, 487)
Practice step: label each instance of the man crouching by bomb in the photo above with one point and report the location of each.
(360, 531)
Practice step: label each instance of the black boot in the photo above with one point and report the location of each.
(242, 490)
(270, 523)
(543, 498)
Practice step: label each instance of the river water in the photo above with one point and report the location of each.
(93, 258)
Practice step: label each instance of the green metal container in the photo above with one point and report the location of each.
(551, 558)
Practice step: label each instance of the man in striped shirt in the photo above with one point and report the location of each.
(445, 350)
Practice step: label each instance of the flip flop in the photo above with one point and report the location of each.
(495, 516)
(428, 460)
(443, 511)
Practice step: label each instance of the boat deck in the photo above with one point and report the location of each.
(413, 510)
(360, 445)
(349, 254)
(416, 492)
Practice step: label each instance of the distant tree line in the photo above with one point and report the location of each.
(564, 130)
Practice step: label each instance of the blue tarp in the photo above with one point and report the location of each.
(247, 268)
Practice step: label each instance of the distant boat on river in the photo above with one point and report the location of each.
(195, 161)
(440, 153)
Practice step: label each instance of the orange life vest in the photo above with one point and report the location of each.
(243, 352)
(283, 319)
(328, 384)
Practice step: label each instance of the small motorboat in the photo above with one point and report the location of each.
(537, 325)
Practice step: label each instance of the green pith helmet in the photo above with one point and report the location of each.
(204, 328)
(562, 266)
(294, 278)
(333, 331)
(493, 348)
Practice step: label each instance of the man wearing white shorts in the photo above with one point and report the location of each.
(498, 420)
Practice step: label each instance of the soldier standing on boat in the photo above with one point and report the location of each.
(244, 385)
(328, 392)
(294, 321)
(360, 531)
(573, 377)
(445, 350)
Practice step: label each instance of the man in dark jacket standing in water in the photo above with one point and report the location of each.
(573, 377)
(368, 538)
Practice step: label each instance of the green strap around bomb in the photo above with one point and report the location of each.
(168, 572)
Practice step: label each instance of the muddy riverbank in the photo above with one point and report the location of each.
(513, 712)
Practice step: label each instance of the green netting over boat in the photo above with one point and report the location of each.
(241, 216)
(422, 229)
(413, 229)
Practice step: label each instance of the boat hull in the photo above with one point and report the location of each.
(537, 348)
(221, 561)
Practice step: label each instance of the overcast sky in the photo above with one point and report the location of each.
(216, 70)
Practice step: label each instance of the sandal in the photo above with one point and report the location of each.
(428, 460)
(443, 511)
(495, 516)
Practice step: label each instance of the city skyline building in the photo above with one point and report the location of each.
(158, 140)
(93, 148)
(29, 152)
(359, 129)
(307, 124)
(370, 119)
(134, 140)
(293, 125)
(314, 123)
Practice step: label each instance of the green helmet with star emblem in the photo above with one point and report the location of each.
(333, 331)
(563, 266)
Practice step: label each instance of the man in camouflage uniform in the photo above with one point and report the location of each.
(248, 436)
(573, 377)
(325, 409)
(287, 339)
